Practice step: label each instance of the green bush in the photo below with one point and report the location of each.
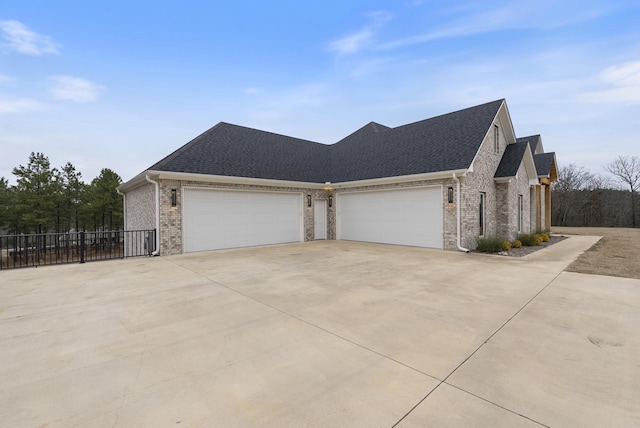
(516, 244)
(528, 239)
(491, 244)
(506, 245)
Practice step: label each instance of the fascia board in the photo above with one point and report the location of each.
(169, 175)
(136, 181)
(401, 179)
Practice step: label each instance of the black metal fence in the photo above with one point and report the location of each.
(76, 247)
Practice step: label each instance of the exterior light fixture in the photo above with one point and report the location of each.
(174, 197)
(309, 200)
(330, 200)
(450, 194)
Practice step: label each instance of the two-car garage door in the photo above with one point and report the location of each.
(216, 219)
(404, 216)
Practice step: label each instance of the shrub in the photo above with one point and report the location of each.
(506, 245)
(528, 239)
(545, 235)
(490, 244)
(516, 244)
(537, 238)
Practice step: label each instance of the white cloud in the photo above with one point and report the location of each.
(623, 84)
(69, 88)
(20, 39)
(539, 14)
(355, 42)
(19, 105)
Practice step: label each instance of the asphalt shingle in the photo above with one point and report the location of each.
(511, 160)
(443, 143)
(544, 161)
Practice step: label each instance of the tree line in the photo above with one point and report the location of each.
(46, 199)
(584, 199)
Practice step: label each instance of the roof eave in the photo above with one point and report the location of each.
(136, 181)
(401, 178)
(208, 178)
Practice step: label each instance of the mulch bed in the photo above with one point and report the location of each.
(523, 251)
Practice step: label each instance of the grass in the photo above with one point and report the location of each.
(616, 254)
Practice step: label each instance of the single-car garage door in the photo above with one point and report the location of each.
(216, 219)
(403, 216)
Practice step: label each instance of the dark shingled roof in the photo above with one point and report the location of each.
(443, 143)
(511, 159)
(533, 141)
(237, 151)
(543, 163)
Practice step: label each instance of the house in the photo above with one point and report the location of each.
(437, 183)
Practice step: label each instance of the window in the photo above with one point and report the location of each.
(483, 210)
(520, 211)
(496, 139)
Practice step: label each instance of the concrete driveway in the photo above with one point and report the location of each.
(321, 334)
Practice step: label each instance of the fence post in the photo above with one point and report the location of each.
(81, 247)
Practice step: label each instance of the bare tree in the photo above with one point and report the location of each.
(627, 170)
(571, 178)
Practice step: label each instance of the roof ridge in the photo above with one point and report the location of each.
(271, 133)
(501, 100)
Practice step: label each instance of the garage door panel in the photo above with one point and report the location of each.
(404, 216)
(216, 219)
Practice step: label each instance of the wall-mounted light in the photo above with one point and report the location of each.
(309, 200)
(450, 194)
(330, 200)
(174, 197)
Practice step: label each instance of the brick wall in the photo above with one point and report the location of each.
(481, 180)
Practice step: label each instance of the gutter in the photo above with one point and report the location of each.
(460, 247)
(157, 250)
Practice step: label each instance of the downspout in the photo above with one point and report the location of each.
(157, 250)
(460, 247)
(124, 209)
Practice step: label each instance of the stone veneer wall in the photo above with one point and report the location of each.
(141, 208)
(140, 215)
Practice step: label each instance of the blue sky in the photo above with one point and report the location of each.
(122, 84)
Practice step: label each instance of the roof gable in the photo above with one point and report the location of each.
(546, 166)
(535, 141)
(514, 155)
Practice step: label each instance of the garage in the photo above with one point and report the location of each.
(218, 219)
(410, 216)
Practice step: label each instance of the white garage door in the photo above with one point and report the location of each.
(216, 219)
(404, 216)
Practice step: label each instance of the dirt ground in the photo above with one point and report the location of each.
(616, 254)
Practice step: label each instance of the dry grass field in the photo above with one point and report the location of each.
(616, 254)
